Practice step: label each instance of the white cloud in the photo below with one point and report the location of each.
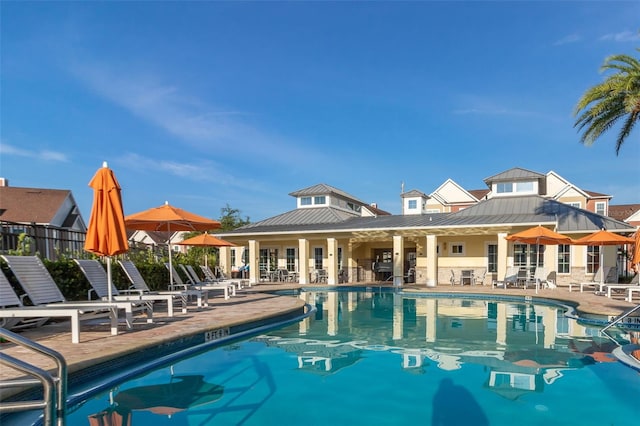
(624, 36)
(190, 119)
(44, 155)
(571, 38)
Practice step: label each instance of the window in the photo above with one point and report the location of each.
(457, 249)
(305, 201)
(233, 257)
(321, 199)
(528, 256)
(268, 259)
(510, 187)
(601, 208)
(339, 258)
(291, 259)
(504, 187)
(492, 258)
(413, 204)
(593, 259)
(564, 258)
(524, 187)
(318, 258)
(577, 204)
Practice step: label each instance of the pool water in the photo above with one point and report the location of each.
(383, 358)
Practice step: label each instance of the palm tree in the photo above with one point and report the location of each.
(618, 97)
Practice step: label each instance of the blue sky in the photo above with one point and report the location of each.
(206, 104)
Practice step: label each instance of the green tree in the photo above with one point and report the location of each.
(616, 98)
(230, 219)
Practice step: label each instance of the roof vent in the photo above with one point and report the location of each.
(4, 181)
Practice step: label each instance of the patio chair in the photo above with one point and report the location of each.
(221, 277)
(141, 287)
(510, 278)
(466, 277)
(478, 278)
(98, 280)
(452, 279)
(43, 292)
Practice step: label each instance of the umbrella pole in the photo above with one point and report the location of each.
(109, 278)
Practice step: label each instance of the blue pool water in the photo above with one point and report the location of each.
(382, 358)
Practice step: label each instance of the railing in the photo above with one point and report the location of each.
(54, 398)
(620, 318)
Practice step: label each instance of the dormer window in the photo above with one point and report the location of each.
(515, 187)
(305, 201)
(413, 204)
(320, 199)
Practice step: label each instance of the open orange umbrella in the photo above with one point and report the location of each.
(205, 240)
(169, 219)
(603, 238)
(539, 235)
(106, 234)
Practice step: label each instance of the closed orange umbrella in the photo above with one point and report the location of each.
(635, 259)
(169, 219)
(106, 234)
(603, 238)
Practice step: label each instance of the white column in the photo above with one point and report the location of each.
(225, 260)
(332, 256)
(254, 261)
(501, 324)
(303, 260)
(503, 253)
(432, 261)
(398, 260)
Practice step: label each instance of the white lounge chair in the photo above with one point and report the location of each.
(97, 278)
(43, 292)
(510, 278)
(628, 288)
(228, 289)
(140, 286)
(598, 283)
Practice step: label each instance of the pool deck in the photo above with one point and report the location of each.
(97, 345)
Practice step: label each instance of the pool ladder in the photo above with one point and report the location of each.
(54, 387)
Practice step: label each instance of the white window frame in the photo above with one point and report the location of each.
(457, 244)
(412, 204)
(577, 204)
(603, 206)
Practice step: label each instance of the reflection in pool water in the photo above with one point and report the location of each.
(386, 358)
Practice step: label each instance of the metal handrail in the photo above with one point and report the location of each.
(620, 318)
(55, 389)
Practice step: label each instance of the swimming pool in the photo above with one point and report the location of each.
(375, 357)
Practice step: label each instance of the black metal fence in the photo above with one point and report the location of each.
(50, 242)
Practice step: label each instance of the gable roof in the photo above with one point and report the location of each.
(414, 193)
(324, 189)
(623, 211)
(512, 175)
(307, 216)
(34, 205)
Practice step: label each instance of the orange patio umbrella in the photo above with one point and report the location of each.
(603, 238)
(169, 219)
(106, 234)
(205, 240)
(539, 235)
